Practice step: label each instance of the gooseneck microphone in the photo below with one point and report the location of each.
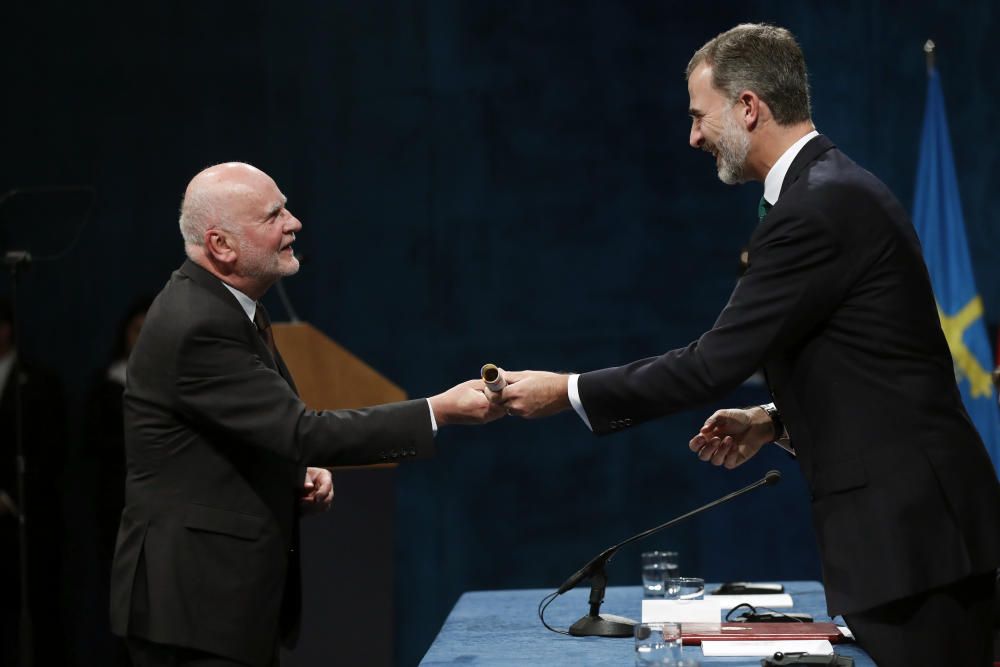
(595, 625)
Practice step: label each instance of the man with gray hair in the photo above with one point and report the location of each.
(836, 306)
(222, 455)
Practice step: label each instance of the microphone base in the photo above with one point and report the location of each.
(606, 625)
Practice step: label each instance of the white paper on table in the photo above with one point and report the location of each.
(681, 611)
(758, 648)
(846, 631)
(771, 600)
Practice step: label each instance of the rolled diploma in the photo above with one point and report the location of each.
(493, 378)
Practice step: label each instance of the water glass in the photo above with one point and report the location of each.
(657, 644)
(684, 588)
(672, 567)
(656, 567)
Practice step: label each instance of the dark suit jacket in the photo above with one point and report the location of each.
(838, 309)
(216, 440)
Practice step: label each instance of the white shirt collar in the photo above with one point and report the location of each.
(248, 304)
(775, 177)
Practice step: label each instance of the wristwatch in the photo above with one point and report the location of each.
(781, 438)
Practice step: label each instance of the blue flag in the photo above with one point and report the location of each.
(937, 216)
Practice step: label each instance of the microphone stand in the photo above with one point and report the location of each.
(15, 259)
(609, 625)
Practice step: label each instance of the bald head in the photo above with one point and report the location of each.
(235, 225)
(214, 197)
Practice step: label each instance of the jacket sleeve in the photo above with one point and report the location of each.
(794, 283)
(223, 385)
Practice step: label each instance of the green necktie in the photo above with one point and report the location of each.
(762, 208)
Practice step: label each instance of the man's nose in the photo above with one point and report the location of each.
(293, 224)
(696, 138)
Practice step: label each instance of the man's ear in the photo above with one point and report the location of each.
(752, 107)
(220, 246)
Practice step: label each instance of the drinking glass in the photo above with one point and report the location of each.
(656, 567)
(657, 644)
(684, 588)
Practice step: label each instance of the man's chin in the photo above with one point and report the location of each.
(729, 177)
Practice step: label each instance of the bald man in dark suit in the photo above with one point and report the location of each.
(222, 455)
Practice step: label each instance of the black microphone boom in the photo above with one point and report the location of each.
(593, 624)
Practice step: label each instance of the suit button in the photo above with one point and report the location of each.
(628, 422)
(395, 454)
(613, 424)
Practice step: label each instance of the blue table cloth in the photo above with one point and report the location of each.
(502, 628)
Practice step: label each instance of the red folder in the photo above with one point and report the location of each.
(696, 633)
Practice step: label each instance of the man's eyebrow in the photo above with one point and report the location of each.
(695, 113)
(276, 207)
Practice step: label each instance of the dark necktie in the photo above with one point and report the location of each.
(263, 323)
(762, 208)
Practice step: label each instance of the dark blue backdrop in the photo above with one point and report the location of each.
(479, 181)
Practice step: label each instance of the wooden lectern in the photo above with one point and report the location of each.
(327, 375)
(347, 564)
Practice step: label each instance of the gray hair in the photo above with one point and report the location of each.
(204, 208)
(763, 58)
(198, 214)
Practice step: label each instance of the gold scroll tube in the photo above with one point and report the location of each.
(493, 378)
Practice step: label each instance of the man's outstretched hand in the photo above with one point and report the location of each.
(465, 403)
(533, 394)
(730, 437)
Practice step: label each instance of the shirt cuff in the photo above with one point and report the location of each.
(434, 424)
(574, 398)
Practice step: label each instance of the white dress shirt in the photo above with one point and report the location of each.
(775, 177)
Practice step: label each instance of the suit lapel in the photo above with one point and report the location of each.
(812, 150)
(212, 284)
(809, 153)
(205, 279)
(283, 371)
(273, 360)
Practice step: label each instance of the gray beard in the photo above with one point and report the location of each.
(733, 147)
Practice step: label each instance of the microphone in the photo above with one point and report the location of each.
(593, 624)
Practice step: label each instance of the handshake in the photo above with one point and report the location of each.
(527, 394)
(728, 438)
